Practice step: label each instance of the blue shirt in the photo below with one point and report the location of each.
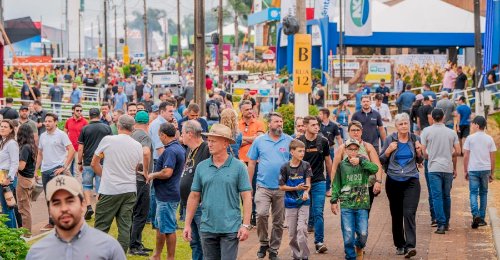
(464, 112)
(155, 137)
(173, 157)
(271, 155)
(120, 100)
(359, 95)
(203, 123)
(342, 116)
(383, 91)
(406, 100)
(56, 93)
(220, 190)
(177, 116)
(76, 95)
(234, 149)
(403, 156)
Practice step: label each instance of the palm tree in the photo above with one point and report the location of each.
(241, 9)
(154, 18)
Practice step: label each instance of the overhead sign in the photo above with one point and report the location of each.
(358, 21)
(302, 76)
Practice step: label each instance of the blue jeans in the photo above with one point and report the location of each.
(318, 190)
(328, 180)
(196, 248)
(11, 223)
(478, 186)
(152, 206)
(427, 181)
(88, 175)
(441, 183)
(354, 222)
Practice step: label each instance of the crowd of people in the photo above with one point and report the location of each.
(147, 161)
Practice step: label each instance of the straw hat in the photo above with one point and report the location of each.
(220, 130)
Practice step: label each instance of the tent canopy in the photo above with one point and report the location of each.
(229, 29)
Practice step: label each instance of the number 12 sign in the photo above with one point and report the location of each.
(302, 76)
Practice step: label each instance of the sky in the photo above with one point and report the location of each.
(50, 12)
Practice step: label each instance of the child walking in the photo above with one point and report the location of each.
(350, 186)
(295, 180)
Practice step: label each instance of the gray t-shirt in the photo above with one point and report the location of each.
(144, 139)
(90, 243)
(439, 141)
(53, 147)
(448, 107)
(56, 93)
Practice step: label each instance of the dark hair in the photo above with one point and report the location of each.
(131, 104)
(307, 119)
(168, 129)
(193, 107)
(378, 96)
(105, 105)
(160, 95)
(245, 102)
(408, 87)
(37, 102)
(230, 97)
(356, 124)
(437, 114)
(276, 114)
(163, 105)
(54, 116)
(9, 100)
(140, 104)
(25, 136)
(296, 143)
(75, 106)
(462, 98)
(366, 96)
(325, 111)
(480, 121)
(12, 134)
(494, 65)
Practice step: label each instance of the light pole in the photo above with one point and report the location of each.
(199, 54)
(105, 41)
(145, 20)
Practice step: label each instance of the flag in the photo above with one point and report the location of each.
(358, 20)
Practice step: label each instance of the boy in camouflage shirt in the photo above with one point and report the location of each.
(350, 186)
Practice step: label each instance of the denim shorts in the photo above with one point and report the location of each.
(166, 220)
(88, 175)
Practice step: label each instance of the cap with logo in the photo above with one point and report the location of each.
(351, 141)
(63, 182)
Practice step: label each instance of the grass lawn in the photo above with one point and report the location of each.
(182, 252)
(497, 166)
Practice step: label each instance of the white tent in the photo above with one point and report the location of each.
(421, 16)
(229, 29)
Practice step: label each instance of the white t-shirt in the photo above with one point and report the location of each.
(122, 154)
(480, 146)
(384, 112)
(53, 148)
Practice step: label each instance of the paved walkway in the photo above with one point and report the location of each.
(461, 242)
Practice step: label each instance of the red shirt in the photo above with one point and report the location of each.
(208, 84)
(74, 128)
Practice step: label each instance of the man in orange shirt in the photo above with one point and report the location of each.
(250, 127)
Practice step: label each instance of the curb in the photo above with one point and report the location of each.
(37, 236)
(495, 227)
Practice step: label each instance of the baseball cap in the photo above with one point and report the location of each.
(420, 97)
(63, 182)
(351, 141)
(94, 111)
(155, 108)
(23, 108)
(142, 117)
(429, 98)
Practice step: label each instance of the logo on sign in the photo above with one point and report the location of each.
(360, 10)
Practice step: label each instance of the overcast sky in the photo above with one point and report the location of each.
(50, 12)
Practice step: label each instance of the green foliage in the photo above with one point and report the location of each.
(284, 71)
(60, 124)
(155, 16)
(12, 246)
(316, 74)
(11, 91)
(288, 113)
(126, 69)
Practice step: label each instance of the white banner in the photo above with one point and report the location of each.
(324, 8)
(358, 21)
(288, 7)
(257, 6)
(259, 34)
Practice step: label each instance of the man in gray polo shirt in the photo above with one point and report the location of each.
(440, 146)
(72, 238)
(219, 182)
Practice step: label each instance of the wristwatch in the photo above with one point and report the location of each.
(248, 227)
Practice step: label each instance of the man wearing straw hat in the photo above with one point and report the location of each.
(218, 183)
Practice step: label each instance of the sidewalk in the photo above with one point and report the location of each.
(461, 242)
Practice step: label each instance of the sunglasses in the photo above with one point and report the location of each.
(78, 110)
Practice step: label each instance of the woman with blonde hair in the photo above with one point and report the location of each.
(229, 118)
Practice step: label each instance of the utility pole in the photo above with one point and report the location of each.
(301, 99)
(199, 55)
(145, 20)
(341, 50)
(221, 46)
(79, 34)
(116, 36)
(125, 20)
(165, 25)
(105, 41)
(478, 60)
(67, 28)
(179, 47)
(99, 29)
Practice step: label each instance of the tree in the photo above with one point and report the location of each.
(211, 19)
(188, 25)
(155, 17)
(241, 9)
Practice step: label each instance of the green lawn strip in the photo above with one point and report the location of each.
(182, 251)
(497, 166)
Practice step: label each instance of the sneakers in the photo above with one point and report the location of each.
(262, 252)
(359, 253)
(400, 251)
(434, 223)
(482, 223)
(440, 230)
(137, 251)
(89, 213)
(47, 227)
(321, 248)
(410, 252)
(273, 255)
(475, 222)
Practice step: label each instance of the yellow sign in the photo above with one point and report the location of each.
(99, 53)
(302, 76)
(126, 56)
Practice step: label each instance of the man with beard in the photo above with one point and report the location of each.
(24, 119)
(197, 152)
(272, 151)
(72, 234)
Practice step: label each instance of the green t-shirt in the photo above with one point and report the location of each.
(220, 190)
(114, 129)
(351, 183)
